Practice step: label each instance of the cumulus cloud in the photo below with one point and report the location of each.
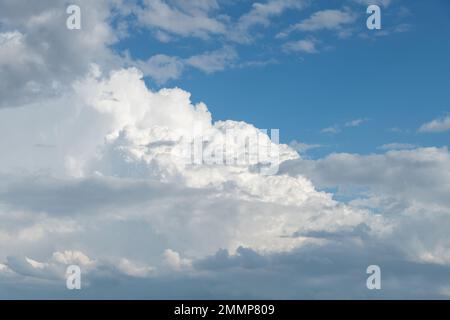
(322, 20)
(337, 128)
(136, 137)
(304, 147)
(181, 18)
(127, 173)
(126, 181)
(162, 68)
(437, 125)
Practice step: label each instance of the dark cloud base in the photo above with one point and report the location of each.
(331, 272)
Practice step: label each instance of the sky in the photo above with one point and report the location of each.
(96, 124)
(303, 93)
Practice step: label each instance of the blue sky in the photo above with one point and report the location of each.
(394, 82)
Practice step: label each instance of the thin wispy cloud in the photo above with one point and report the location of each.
(331, 130)
(355, 122)
(397, 146)
(301, 46)
(334, 129)
(326, 19)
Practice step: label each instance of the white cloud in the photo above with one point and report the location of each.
(14, 50)
(260, 15)
(53, 269)
(213, 61)
(126, 178)
(138, 134)
(331, 130)
(305, 45)
(72, 257)
(203, 19)
(161, 68)
(355, 123)
(397, 146)
(173, 259)
(40, 55)
(181, 18)
(336, 128)
(384, 3)
(388, 30)
(132, 269)
(437, 125)
(325, 19)
(94, 173)
(410, 187)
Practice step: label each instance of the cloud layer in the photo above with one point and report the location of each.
(99, 170)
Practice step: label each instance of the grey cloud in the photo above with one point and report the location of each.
(397, 146)
(40, 56)
(313, 272)
(181, 18)
(163, 68)
(421, 174)
(213, 61)
(69, 196)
